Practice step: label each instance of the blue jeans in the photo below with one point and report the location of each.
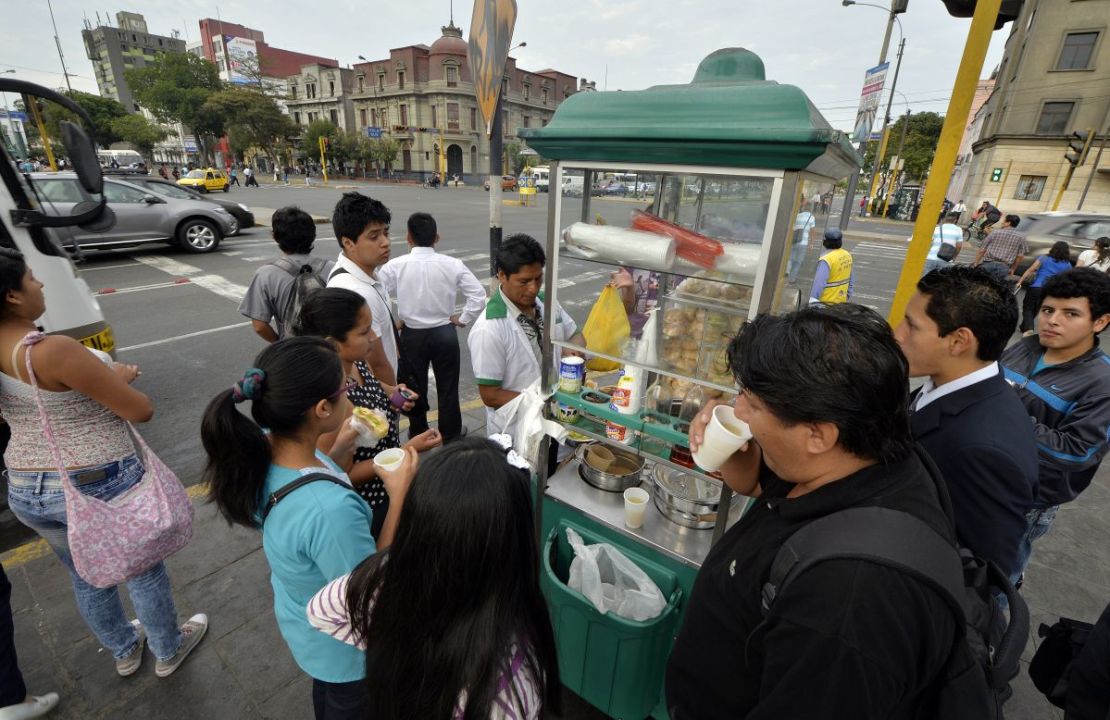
(794, 264)
(36, 498)
(1040, 520)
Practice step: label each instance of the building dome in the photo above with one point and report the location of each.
(451, 43)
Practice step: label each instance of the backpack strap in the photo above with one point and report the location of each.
(883, 536)
(297, 484)
(337, 270)
(287, 265)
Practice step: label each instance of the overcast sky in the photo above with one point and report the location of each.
(818, 45)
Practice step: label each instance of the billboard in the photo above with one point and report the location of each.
(242, 59)
(873, 82)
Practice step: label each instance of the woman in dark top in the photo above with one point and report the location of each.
(343, 317)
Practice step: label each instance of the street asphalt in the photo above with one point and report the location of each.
(176, 316)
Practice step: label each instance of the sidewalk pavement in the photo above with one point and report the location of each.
(243, 670)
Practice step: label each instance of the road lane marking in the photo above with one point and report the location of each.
(83, 269)
(169, 265)
(104, 292)
(213, 283)
(221, 286)
(186, 336)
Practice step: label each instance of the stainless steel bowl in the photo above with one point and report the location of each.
(611, 482)
(685, 498)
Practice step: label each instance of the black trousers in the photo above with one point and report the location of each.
(12, 689)
(439, 348)
(1029, 307)
(339, 701)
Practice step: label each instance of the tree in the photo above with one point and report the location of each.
(922, 135)
(103, 112)
(175, 87)
(514, 158)
(385, 152)
(310, 144)
(253, 68)
(141, 133)
(252, 119)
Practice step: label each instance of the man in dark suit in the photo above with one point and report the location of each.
(965, 415)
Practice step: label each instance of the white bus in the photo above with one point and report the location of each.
(123, 158)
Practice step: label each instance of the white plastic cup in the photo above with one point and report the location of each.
(390, 459)
(635, 505)
(723, 436)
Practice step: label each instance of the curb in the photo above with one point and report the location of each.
(262, 217)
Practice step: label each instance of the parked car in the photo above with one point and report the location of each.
(141, 216)
(508, 182)
(611, 188)
(206, 180)
(166, 188)
(1079, 230)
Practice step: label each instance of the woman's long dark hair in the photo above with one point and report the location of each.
(1102, 246)
(329, 312)
(299, 372)
(458, 588)
(12, 269)
(1060, 251)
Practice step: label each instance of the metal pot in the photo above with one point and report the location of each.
(686, 499)
(610, 481)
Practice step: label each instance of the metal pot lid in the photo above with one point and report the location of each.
(686, 485)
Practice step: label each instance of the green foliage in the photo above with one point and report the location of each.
(252, 119)
(310, 143)
(922, 135)
(103, 111)
(513, 158)
(142, 134)
(385, 152)
(175, 87)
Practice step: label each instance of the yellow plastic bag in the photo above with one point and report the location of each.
(606, 329)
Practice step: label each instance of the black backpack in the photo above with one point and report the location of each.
(975, 681)
(307, 279)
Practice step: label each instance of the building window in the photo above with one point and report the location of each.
(331, 88)
(504, 88)
(453, 117)
(473, 118)
(373, 117)
(334, 116)
(1030, 187)
(527, 91)
(362, 117)
(310, 90)
(1054, 118)
(1078, 49)
(293, 91)
(296, 118)
(543, 94)
(381, 81)
(452, 76)
(361, 86)
(400, 79)
(405, 115)
(435, 117)
(527, 121)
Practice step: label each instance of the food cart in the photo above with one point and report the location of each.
(701, 192)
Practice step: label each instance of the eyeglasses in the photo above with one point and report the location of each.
(349, 384)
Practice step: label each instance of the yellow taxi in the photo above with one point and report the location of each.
(206, 180)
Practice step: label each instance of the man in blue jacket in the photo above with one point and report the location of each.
(1063, 379)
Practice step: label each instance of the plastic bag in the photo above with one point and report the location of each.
(612, 582)
(606, 329)
(522, 419)
(371, 426)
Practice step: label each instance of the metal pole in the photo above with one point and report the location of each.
(33, 104)
(886, 118)
(1098, 156)
(853, 181)
(894, 170)
(495, 149)
(955, 120)
(59, 45)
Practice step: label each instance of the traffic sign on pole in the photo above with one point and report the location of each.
(491, 32)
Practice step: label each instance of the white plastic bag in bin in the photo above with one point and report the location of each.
(612, 582)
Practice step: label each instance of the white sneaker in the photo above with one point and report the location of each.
(130, 665)
(191, 634)
(38, 706)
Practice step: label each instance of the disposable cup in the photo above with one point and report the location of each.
(723, 436)
(635, 504)
(390, 459)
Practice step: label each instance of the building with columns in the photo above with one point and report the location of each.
(321, 92)
(423, 96)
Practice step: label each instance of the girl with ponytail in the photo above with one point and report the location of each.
(265, 472)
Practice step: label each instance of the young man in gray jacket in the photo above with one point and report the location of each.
(1063, 379)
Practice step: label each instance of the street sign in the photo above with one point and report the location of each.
(373, 132)
(996, 175)
(14, 115)
(491, 32)
(873, 81)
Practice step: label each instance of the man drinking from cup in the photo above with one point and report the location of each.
(824, 394)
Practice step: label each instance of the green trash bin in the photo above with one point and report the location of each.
(613, 663)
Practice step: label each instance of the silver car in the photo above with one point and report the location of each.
(141, 216)
(1078, 229)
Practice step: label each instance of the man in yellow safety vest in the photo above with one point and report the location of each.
(832, 282)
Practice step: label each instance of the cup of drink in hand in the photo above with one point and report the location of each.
(390, 459)
(723, 436)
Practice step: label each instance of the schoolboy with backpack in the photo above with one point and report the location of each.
(279, 288)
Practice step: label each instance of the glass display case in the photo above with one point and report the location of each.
(702, 204)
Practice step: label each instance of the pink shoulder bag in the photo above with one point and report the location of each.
(113, 541)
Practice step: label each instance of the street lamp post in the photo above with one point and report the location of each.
(896, 7)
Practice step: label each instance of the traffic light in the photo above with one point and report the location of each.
(435, 147)
(1009, 10)
(1078, 145)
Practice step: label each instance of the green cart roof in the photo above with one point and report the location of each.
(729, 115)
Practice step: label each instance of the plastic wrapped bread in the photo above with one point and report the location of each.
(740, 261)
(628, 247)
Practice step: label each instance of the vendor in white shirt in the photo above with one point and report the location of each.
(506, 342)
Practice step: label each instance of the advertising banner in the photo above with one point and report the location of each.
(873, 82)
(242, 60)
